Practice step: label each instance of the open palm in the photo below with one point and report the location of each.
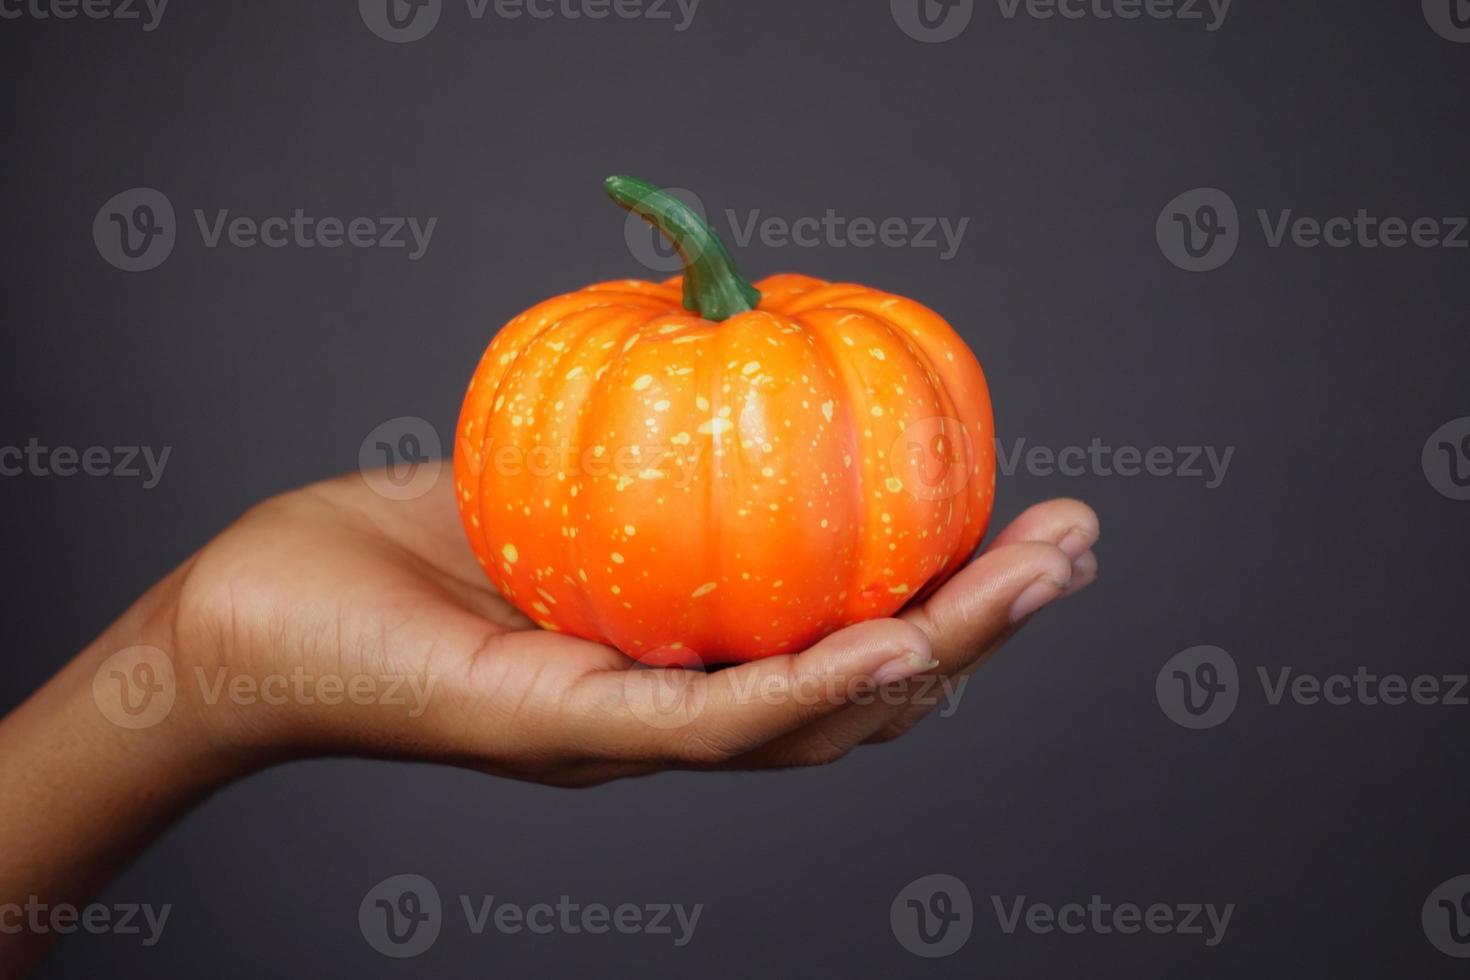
(374, 625)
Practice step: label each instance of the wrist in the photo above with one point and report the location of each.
(93, 769)
(223, 680)
(126, 701)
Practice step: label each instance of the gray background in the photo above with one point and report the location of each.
(1060, 777)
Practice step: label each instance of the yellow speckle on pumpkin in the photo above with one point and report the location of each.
(716, 426)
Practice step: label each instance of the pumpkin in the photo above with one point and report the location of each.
(703, 471)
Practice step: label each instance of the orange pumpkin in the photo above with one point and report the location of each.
(702, 471)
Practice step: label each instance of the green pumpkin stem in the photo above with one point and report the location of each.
(713, 287)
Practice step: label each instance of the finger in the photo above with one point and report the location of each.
(972, 613)
(1084, 572)
(688, 717)
(965, 620)
(1069, 524)
(1001, 588)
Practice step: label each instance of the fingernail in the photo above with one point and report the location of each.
(1084, 572)
(1035, 596)
(904, 667)
(1076, 543)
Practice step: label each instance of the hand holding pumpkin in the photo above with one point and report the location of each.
(334, 579)
(804, 551)
(810, 544)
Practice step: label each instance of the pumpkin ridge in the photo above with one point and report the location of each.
(579, 413)
(626, 336)
(714, 495)
(780, 291)
(933, 334)
(949, 407)
(827, 296)
(836, 363)
(487, 466)
(980, 497)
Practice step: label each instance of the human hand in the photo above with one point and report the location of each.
(332, 621)
(334, 585)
